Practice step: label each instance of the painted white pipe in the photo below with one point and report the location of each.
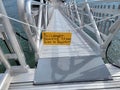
(21, 11)
(39, 26)
(29, 15)
(46, 14)
(4, 60)
(71, 12)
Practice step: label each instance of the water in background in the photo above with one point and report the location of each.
(113, 53)
(11, 8)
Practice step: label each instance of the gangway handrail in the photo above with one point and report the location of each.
(6, 78)
(78, 16)
(29, 15)
(32, 21)
(85, 6)
(29, 4)
(39, 25)
(21, 12)
(92, 42)
(94, 24)
(10, 33)
(91, 18)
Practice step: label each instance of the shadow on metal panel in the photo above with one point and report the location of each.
(70, 69)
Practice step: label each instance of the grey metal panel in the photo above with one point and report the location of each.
(97, 85)
(70, 69)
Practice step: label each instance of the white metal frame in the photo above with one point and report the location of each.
(21, 11)
(103, 39)
(8, 30)
(11, 35)
(28, 18)
(35, 42)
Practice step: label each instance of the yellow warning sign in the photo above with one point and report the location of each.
(56, 38)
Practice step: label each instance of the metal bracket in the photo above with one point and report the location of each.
(11, 56)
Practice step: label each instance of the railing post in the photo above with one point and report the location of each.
(39, 26)
(46, 14)
(67, 9)
(29, 16)
(82, 16)
(71, 14)
(93, 23)
(4, 60)
(78, 16)
(70, 10)
(11, 35)
(21, 12)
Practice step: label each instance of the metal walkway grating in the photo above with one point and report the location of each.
(78, 47)
(67, 64)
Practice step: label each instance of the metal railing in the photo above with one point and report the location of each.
(30, 26)
(11, 35)
(36, 15)
(97, 19)
(17, 51)
(33, 30)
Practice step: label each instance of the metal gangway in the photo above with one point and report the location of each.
(75, 66)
